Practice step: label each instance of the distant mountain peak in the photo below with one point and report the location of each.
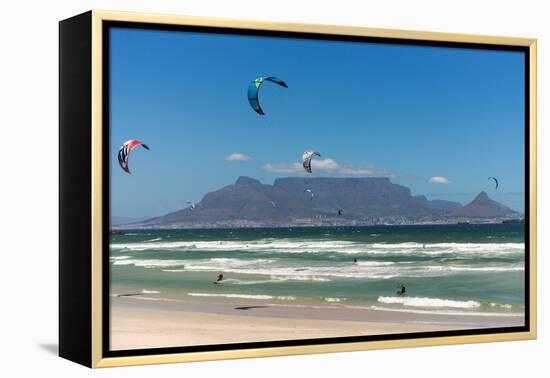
(483, 196)
(244, 180)
(482, 206)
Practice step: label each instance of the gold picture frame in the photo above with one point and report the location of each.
(82, 41)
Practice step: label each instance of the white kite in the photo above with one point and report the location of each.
(306, 159)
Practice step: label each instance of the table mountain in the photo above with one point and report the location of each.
(362, 201)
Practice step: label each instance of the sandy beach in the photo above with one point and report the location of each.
(137, 324)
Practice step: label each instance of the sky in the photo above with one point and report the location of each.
(437, 120)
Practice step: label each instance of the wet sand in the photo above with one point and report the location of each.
(138, 323)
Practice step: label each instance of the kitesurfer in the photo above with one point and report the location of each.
(401, 290)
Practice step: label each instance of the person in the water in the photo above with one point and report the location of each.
(401, 290)
(220, 278)
(355, 261)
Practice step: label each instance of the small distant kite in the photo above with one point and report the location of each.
(306, 159)
(495, 180)
(254, 89)
(310, 192)
(193, 205)
(124, 153)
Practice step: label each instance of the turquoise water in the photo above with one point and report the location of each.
(459, 269)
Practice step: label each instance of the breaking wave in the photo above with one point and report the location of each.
(319, 246)
(429, 302)
(447, 312)
(280, 270)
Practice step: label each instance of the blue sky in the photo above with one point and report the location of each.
(407, 112)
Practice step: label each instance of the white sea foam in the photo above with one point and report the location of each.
(234, 281)
(305, 278)
(150, 263)
(459, 268)
(428, 302)
(336, 246)
(114, 258)
(242, 296)
(275, 279)
(286, 298)
(329, 299)
(501, 305)
(375, 263)
(445, 312)
(278, 271)
(174, 270)
(145, 291)
(153, 299)
(227, 264)
(445, 248)
(281, 270)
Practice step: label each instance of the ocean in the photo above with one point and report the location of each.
(446, 269)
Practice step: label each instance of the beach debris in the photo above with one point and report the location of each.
(495, 180)
(306, 159)
(124, 153)
(311, 193)
(254, 89)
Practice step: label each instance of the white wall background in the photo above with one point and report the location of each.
(28, 185)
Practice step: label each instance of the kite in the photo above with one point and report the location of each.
(124, 153)
(306, 159)
(495, 180)
(254, 90)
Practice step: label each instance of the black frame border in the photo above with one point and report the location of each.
(106, 27)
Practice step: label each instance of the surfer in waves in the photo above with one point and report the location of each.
(401, 290)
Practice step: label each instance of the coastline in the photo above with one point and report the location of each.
(308, 223)
(150, 323)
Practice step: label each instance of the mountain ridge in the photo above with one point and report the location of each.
(296, 201)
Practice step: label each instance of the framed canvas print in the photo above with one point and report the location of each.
(235, 189)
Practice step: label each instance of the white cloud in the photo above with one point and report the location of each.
(237, 156)
(284, 168)
(328, 166)
(439, 180)
(368, 171)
